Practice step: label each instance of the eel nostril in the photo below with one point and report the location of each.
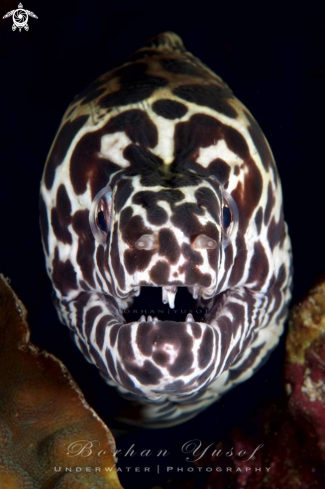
(146, 242)
(203, 242)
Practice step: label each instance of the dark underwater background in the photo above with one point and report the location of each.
(272, 57)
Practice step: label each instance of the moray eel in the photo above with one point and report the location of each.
(159, 177)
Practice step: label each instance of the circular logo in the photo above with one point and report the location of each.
(20, 18)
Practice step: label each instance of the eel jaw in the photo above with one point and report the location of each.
(155, 356)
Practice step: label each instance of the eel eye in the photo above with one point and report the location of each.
(226, 216)
(229, 217)
(100, 214)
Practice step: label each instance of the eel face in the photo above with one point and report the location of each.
(160, 177)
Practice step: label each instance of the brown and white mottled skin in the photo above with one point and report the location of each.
(160, 177)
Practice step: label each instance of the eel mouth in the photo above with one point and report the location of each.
(167, 305)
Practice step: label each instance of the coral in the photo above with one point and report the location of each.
(46, 426)
(305, 365)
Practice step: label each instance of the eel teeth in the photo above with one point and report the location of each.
(189, 318)
(196, 292)
(168, 295)
(149, 319)
(136, 291)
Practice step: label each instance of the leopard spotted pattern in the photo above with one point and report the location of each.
(159, 177)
